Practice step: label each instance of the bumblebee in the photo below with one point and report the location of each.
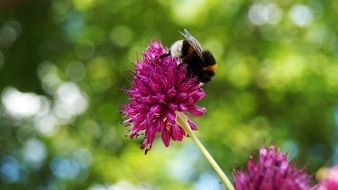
(200, 63)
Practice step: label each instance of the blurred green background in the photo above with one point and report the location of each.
(63, 63)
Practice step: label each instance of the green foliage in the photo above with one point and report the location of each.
(277, 82)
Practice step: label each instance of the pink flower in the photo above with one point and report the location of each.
(272, 171)
(330, 181)
(159, 89)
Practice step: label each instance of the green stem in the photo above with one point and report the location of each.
(182, 121)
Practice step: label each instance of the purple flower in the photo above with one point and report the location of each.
(159, 89)
(272, 171)
(330, 181)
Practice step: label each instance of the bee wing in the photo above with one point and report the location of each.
(193, 42)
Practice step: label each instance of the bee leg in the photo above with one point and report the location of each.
(164, 55)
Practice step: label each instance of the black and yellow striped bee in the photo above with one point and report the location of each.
(200, 63)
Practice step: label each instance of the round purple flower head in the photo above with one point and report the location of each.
(271, 172)
(159, 89)
(330, 181)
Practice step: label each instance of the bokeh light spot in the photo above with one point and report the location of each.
(100, 74)
(47, 125)
(301, 15)
(181, 166)
(16, 26)
(49, 76)
(188, 11)
(83, 157)
(75, 71)
(64, 168)
(121, 35)
(331, 76)
(83, 5)
(70, 101)
(240, 74)
(260, 14)
(10, 170)
(291, 148)
(60, 10)
(207, 181)
(34, 152)
(120, 185)
(19, 104)
(75, 22)
(9, 33)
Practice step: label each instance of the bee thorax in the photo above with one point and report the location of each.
(176, 49)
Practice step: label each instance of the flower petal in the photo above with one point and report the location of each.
(166, 137)
(198, 95)
(196, 111)
(176, 133)
(171, 116)
(182, 108)
(192, 124)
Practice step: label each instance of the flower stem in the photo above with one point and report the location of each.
(182, 121)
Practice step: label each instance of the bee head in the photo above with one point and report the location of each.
(176, 49)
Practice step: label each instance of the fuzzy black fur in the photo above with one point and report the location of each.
(196, 65)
